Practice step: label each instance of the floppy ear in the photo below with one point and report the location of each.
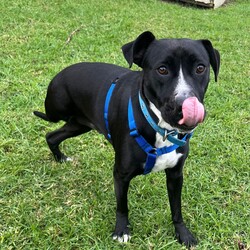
(134, 51)
(214, 57)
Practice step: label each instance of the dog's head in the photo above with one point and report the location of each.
(175, 77)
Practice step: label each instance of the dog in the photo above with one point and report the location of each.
(148, 116)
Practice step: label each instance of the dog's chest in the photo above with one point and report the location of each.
(168, 160)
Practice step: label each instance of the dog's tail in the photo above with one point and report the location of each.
(41, 115)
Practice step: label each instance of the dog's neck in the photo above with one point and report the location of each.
(155, 114)
(161, 122)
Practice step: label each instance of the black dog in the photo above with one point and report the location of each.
(147, 115)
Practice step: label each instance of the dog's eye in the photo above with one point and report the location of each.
(200, 69)
(162, 70)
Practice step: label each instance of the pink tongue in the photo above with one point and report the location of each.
(193, 112)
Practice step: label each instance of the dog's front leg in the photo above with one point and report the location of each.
(121, 232)
(174, 187)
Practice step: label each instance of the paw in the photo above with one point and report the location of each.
(68, 159)
(124, 238)
(62, 158)
(184, 236)
(122, 235)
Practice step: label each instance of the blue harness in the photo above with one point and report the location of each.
(151, 152)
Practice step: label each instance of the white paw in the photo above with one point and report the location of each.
(123, 239)
(69, 159)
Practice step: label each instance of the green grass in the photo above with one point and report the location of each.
(45, 205)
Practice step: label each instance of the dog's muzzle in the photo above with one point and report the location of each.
(193, 112)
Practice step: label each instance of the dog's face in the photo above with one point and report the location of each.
(175, 76)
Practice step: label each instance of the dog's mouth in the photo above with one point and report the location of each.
(193, 112)
(185, 129)
(187, 116)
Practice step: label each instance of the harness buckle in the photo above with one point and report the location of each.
(169, 132)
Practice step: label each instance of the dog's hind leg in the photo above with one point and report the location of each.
(71, 129)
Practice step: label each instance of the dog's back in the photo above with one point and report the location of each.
(77, 89)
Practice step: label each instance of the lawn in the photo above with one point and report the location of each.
(46, 205)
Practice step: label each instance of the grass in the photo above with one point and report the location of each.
(45, 205)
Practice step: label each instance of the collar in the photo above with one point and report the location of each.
(170, 135)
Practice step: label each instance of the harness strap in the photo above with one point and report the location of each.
(106, 108)
(148, 117)
(152, 153)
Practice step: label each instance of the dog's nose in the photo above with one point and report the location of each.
(179, 99)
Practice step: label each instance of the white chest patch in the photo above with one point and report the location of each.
(168, 160)
(164, 161)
